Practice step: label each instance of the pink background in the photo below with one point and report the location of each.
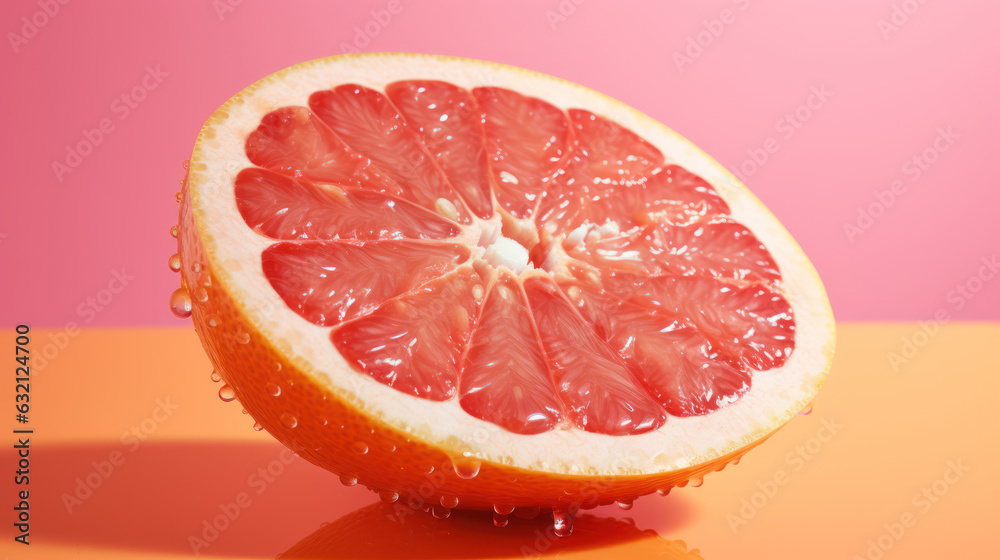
(62, 240)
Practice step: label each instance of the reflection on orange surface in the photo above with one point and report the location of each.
(379, 531)
(252, 500)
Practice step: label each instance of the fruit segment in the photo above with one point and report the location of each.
(327, 282)
(450, 123)
(611, 151)
(715, 248)
(293, 141)
(281, 207)
(598, 389)
(414, 343)
(505, 379)
(526, 140)
(371, 124)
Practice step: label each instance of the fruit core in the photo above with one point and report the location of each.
(546, 268)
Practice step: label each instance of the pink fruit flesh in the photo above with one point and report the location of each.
(647, 300)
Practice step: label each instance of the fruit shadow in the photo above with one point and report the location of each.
(256, 499)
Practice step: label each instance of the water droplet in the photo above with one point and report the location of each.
(624, 503)
(503, 510)
(499, 520)
(227, 393)
(807, 410)
(273, 389)
(243, 337)
(663, 491)
(388, 496)
(212, 320)
(449, 501)
(216, 377)
(348, 480)
(440, 512)
(178, 196)
(196, 267)
(180, 303)
(360, 447)
(244, 411)
(466, 466)
(257, 427)
(201, 294)
(562, 523)
(173, 231)
(289, 420)
(736, 461)
(697, 481)
(174, 262)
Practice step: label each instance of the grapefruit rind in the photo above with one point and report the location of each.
(221, 253)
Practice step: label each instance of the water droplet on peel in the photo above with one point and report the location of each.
(174, 262)
(360, 447)
(273, 389)
(663, 491)
(243, 337)
(180, 303)
(503, 510)
(388, 496)
(562, 523)
(257, 427)
(201, 294)
(173, 231)
(466, 466)
(499, 520)
(449, 501)
(178, 196)
(736, 461)
(289, 420)
(212, 320)
(244, 411)
(227, 393)
(196, 267)
(348, 480)
(807, 410)
(697, 481)
(624, 503)
(216, 377)
(440, 512)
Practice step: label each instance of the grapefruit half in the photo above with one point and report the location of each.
(463, 284)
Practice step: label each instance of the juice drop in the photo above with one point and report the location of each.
(289, 420)
(500, 520)
(243, 337)
(466, 466)
(216, 377)
(388, 496)
(663, 491)
(807, 410)
(697, 481)
(562, 523)
(440, 512)
(624, 503)
(360, 447)
(180, 303)
(257, 427)
(201, 294)
(244, 411)
(174, 262)
(449, 501)
(212, 320)
(178, 196)
(173, 231)
(227, 393)
(348, 480)
(503, 510)
(196, 267)
(273, 389)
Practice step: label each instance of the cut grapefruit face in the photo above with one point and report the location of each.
(495, 286)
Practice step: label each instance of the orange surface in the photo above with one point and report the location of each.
(833, 484)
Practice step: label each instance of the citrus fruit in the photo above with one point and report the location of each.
(468, 285)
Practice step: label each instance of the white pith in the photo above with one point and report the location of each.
(234, 252)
